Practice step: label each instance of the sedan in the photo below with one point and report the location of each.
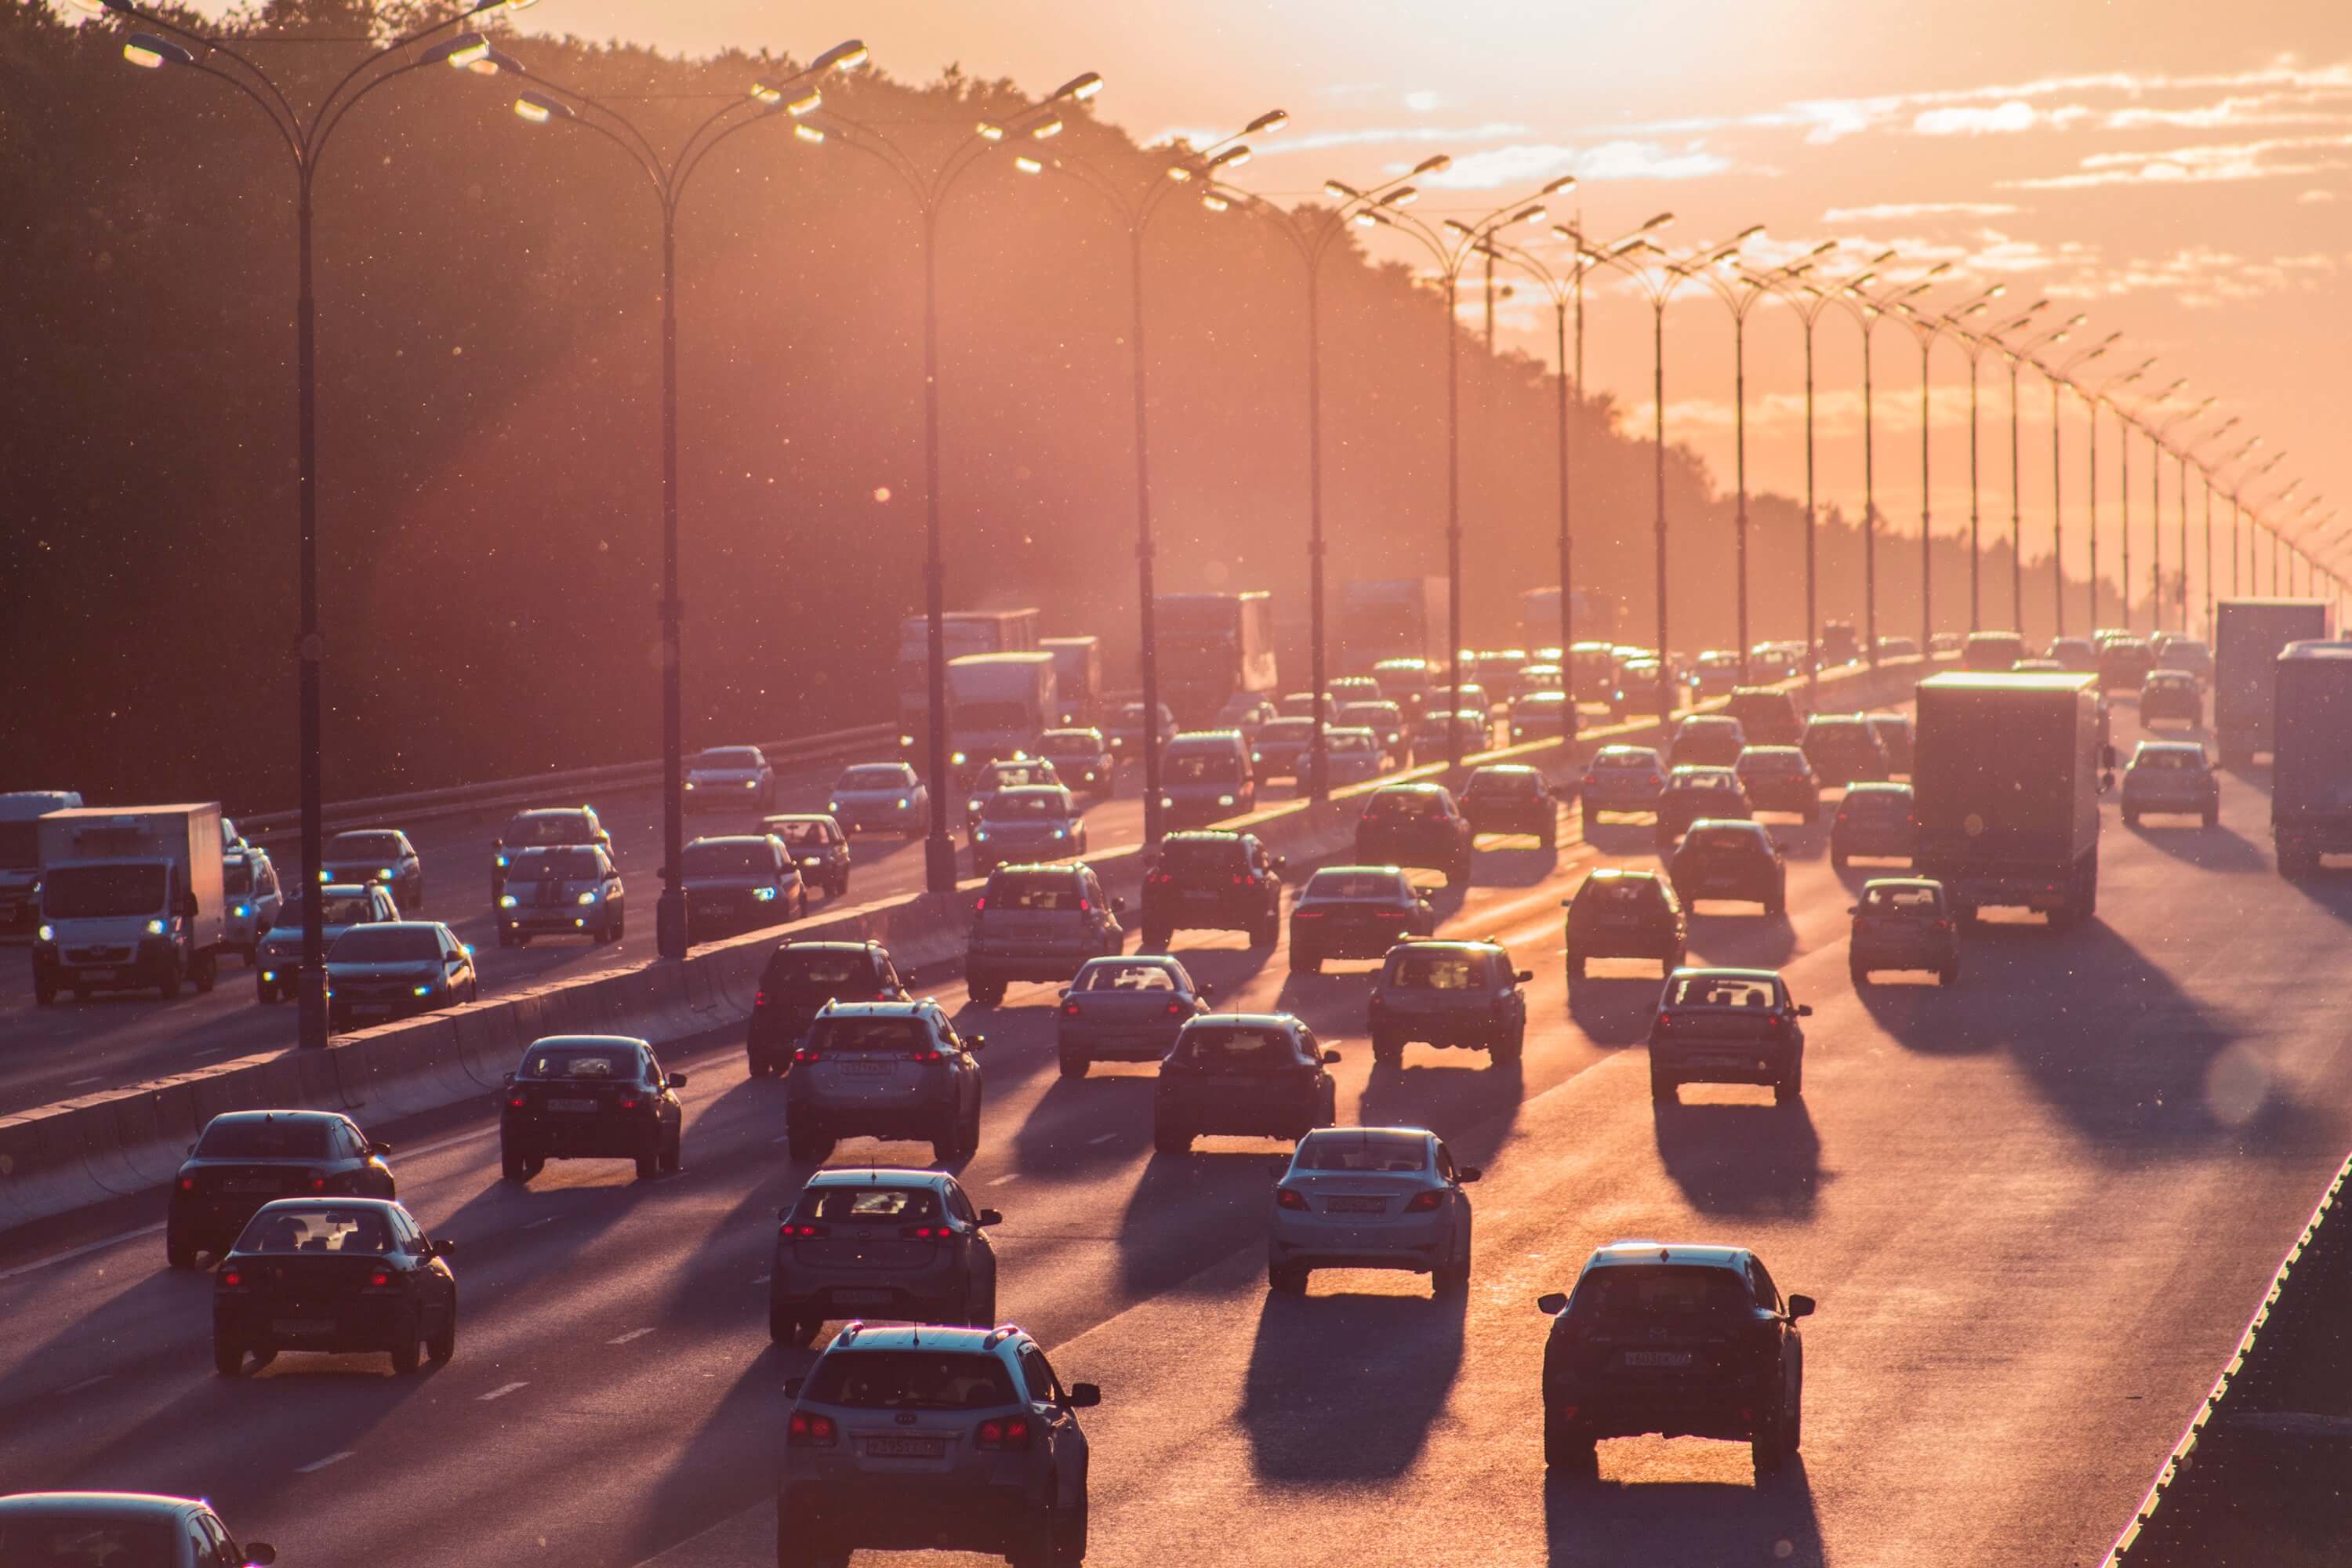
(1026, 823)
(1778, 778)
(1247, 1074)
(879, 1242)
(377, 855)
(121, 1527)
(1081, 757)
(1015, 774)
(1371, 1197)
(2172, 694)
(729, 778)
(1125, 731)
(1355, 911)
(817, 845)
(1281, 747)
(1351, 756)
(1124, 1010)
(1416, 825)
(379, 972)
(1623, 780)
(336, 1276)
(1511, 797)
(1730, 860)
(2171, 777)
(578, 1097)
(244, 1159)
(1727, 1025)
(1383, 719)
(341, 906)
(881, 798)
(1708, 740)
(739, 883)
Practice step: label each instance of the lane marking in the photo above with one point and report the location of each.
(78, 1082)
(70, 1254)
(632, 1334)
(759, 1278)
(499, 1393)
(85, 1382)
(534, 1225)
(1009, 1176)
(1103, 1138)
(322, 1464)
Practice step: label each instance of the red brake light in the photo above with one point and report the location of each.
(187, 1183)
(515, 1100)
(925, 1232)
(1285, 1197)
(802, 1232)
(980, 904)
(805, 1055)
(929, 1057)
(1666, 1022)
(379, 1279)
(1011, 1433)
(758, 998)
(1240, 880)
(809, 1430)
(317, 1183)
(1070, 1009)
(627, 1102)
(1084, 906)
(1175, 1009)
(1423, 1203)
(231, 1277)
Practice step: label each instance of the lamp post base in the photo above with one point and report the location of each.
(939, 863)
(669, 923)
(311, 1008)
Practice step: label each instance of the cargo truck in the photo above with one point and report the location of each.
(965, 632)
(20, 854)
(2311, 756)
(1390, 618)
(2249, 635)
(998, 704)
(1077, 682)
(2007, 772)
(130, 897)
(1212, 647)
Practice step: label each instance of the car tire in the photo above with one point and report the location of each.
(1837, 861)
(2131, 820)
(1039, 1544)
(2213, 816)
(808, 1146)
(1663, 1089)
(1778, 904)
(1575, 969)
(512, 1165)
(1387, 1050)
(1790, 1090)
(1507, 1052)
(204, 972)
(1949, 974)
(405, 1358)
(1859, 973)
(522, 939)
(1075, 1064)
(1811, 814)
(442, 1346)
(1767, 1447)
(169, 986)
(1265, 934)
(179, 1248)
(985, 993)
(649, 1159)
(45, 990)
(229, 1357)
(1568, 1447)
(795, 1549)
(788, 1327)
(1168, 1140)
(980, 1314)
(1449, 1279)
(673, 1158)
(1155, 940)
(1304, 962)
(1287, 1278)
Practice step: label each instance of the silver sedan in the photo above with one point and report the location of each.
(1371, 1197)
(1124, 1010)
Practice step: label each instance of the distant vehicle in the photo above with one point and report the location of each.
(1727, 1025)
(1371, 1197)
(1838, 643)
(1449, 994)
(1779, 778)
(1903, 922)
(575, 890)
(1511, 797)
(1893, 733)
(1280, 750)
(548, 827)
(129, 897)
(1623, 780)
(1992, 653)
(1407, 682)
(1692, 793)
(1205, 776)
(1399, 618)
(244, 1159)
(2010, 769)
(377, 855)
(731, 778)
(1355, 911)
(817, 845)
(1000, 1460)
(1038, 922)
(250, 883)
(1624, 914)
(1730, 860)
(1248, 1075)
(799, 978)
(998, 704)
(590, 1097)
(1718, 673)
(1208, 879)
(342, 904)
(1027, 823)
(1351, 756)
(2172, 694)
(122, 1528)
(1706, 740)
(2170, 777)
(1469, 729)
(1596, 674)
(1083, 758)
(1539, 715)
(2311, 788)
(20, 854)
(881, 798)
(2075, 655)
(1874, 821)
(881, 1242)
(1077, 681)
(1539, 618)
(1721, 1356)
(293, 1282)
(1767, 717)
(396, 969)
(1897, 647)
(1247, 712)
(2123, 663)
(738, 882)
(1212, 647)
(1944, 645)
(1303, 705)
(1416, 825)
(2189, 654)
(1845, 750)
(2251, 634)
(991, 777)
(883, 1070)
(1125, 1009)
(1345, 689)
(962, 633)
(1125, 731)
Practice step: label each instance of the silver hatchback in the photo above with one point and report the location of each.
(883, 1243)
(1124, 1010)
(883, 1070)
(1371, 1197)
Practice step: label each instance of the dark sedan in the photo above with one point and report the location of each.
(1845, 750)
(244, 1159)
(2172, 694)
(739, 883)
(1693, 793)
(338, 1275)
(1416, 825)
(586, 1097)
(1730, 860)
(1247, 1074)
(379, 972)
(1355, 911)
(1509, 797)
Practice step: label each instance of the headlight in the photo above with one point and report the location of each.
(1224, 800)
(386, 874)
(980, 835)
(975, 805)
(1060, 833)
(48, 933)
(420, 991)
(243, 912)
(765, 895)
(833, 808)
(902, 803)
(154, 928)
(506, 901)
(1258, 756)
(957, 759)
(906, 740)
(270, 975)
(689, 783)
(751, 783)
(588, 897)
(1167, 803)
(811, 860)
(326, 876)
(504, 862)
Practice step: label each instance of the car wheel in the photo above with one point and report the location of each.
(979, 1312)
(2131, 820)
(1837, 861)
(649, 1159)
(1507, 1052)
(169, 984)
(228, 1358)
(796, 1549)
(1949, 974)
(673, 1158)
(45, 990)
(404, 1357)
(1860, 973)
(1663, 1089)
(1265, 934)
(1387, 1050)
(1575, 969)
(443, 1345)
(788, 1327)
(1155, 939)
(179, 1248)
(1304, 962)
(1568, 1447)
(1451, 1279)
(1791, 1089)
(512, 1166)
(985, 993)
(2213, 816)
(1286, 1279)
(1168, 1140)
(1039, 1544)
(809, 1146)
(1075, 1064)
(1767, 1446)
(1778, 904)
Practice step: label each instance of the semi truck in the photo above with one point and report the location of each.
(2248, 636)
(2311, 755)
(1077, 681)
(20, 854)
(1212, 647)
(130, 897)
(1390, 618)
(998, 704)
(1539, 617)
(2007, 772)
(964, 632)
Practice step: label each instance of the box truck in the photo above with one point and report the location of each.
(2311, 755)
(964, 632)
(1077, 682)
(130, 897)
(998, 704)
(1212, 647)
(2007, 770)
(2249, 635)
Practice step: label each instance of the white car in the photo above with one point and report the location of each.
(880, 798)
(727, 776)
(1371, 1197)
(125, 1528)
(1351, 756)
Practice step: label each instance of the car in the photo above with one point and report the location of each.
(250, 883)
(1280, 750)
(927, 1436)
(1037, 922)
(1874, 821)
(590, 1097)
(1779, 778)
(723, 778)
(1409, 683)
(883, 1070)
(1416, 825)
(1355, 911)
(1727, 1025)
(337, 1276)
(1244, 1074)
(341, 905)
(1351, 756)
(1720, 859)
(1124, 1010)
(817, 845)
(575, 890)
(244, 1159)
(880, 798)
(121, 1528)
(1125, 731)
(1595, 663)
(1894, 733)
(1303, 705)
(1511, 797)
(1539, 715)
(1205, 776)
(1845, 750)
(2188, 654)
(738, 882)
(2037, 667)
(377, 855)
(1717, 673)
(1897, 647)
(1768, 717)
(1371, 1197)
(799, 978)
(1469, 728)
(2171, 777)
(1622, 781)
(1903, 922)
(1994, 653)
(2123, 663)
(1247, 712)
(1692, 793)
(2172, 694)
(1004, 774)
(1470, 698)
(546, 828)
(1026, 823)
(1385, 720)
(1839, 644)
(1212, 879)
(1083, 758)
(1345, 690)
(1679, 1340)
(2074, 654)
(1449, 994)
(1623, 913)
(393, 969)
(1946, 645)
(881, 1242)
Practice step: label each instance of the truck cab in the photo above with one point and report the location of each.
(998, 704)
(20, 854)
(130, 897)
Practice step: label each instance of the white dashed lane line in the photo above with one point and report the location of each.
(500, 1392)
(632, 1334)
(322, 1464)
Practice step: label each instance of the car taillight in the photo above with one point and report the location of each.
(627, 1102)
(1307, 914)
(807, 1429)
(1241, 879)
(759, 999)
(232, 1278)
(1943, 925)
(1086, 906)
(1423, 1203)
(1175, 1009)
(805, 1055)
(1009, 1433)
(980, 904)
(928, 1057)
(515, 1101)
(379, 1279)
(924, 1233)
(317, 1183)
(187, 1183)
(802, 1232)
(1591, 779)
(1655, 781)
(1285, 1198)
(1666, 1022)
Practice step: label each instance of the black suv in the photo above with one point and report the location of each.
(1706, 740)
(1211, 881)
(1624, 914)
(1248, 1074)
(247, 1158)
(1845, 750)
(1730, 860)
(1685, 1342)
(578, 1097)
(800, 978)
(883, 1070)
(739, 883)
(1511, 797)
(1448, 993)
(1769, 716)
(1416, 825)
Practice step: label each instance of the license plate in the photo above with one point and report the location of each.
(1718, 1062)
(572, 1105)
(1657, 1358)
(1357, 1205)
(1200, 895)
(102, 975)
(249, 1186)
(300, 1326)
(371, 1009)
(860, 1297)
(905, 1448)
(869, 1069)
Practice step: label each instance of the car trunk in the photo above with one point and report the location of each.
(290, 1281)
(560, 1098)
(876, 1246)
(256, 1182)
(1351, 1196)
(881, 1074)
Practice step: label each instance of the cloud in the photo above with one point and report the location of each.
(2312, 198)
(2012, 116)
(1422, 101)
(1886, 212)
(1524, 163)
(2229, 161)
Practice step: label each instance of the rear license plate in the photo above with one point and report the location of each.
(1718, 1062)
(905, 1448)
(102, 975)
(1657, 1358)
(1357, 1205)
(302, 1326)
(869, 1069)
(249, 1186)
(860, 1297)
(572, 1105)
(1200, 895)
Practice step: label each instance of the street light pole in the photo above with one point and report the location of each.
(1867, 312)
(2093, 401)
(1926, 329)
(2158, 444)
(2057, 378)
(2185, 452)
(1974, 344)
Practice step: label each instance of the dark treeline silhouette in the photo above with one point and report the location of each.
(489, 422)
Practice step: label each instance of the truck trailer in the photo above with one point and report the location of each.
(2311, 755)
(1390, 618)
(1077, 681)
(130, 897)
(2248, 636)
(1212, 647)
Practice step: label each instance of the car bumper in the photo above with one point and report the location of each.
(1416, 1242)
(107, 966)
(1615, 1408)
(1799, 799)
(913, 1119)
(336, 1326)
(562, 919)
(826, 1497)
(1350, 938)
(593, 1136)
(1895, 954)
(1235, 1116)
(1469, 1030)
(930, 1294)
(1536, 822)
(2169, 800)
(1873, 847)
(1100, 1044)
(1730, 1062)
(1216, 912)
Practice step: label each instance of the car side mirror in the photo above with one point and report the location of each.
(675, 1080)
(989, 1217)
(1853, 909)
(1084, 1397)
(1800, 1306)
(1523, 976)
(1551, 1304)
(793, 1387)
(1468, 1173)
(1118, 906)
(1804, 1010)
(506, 1082)
(441, 1247)
(380, 1150)
(977, 1044)
(260, 1554)
(1331, 1059)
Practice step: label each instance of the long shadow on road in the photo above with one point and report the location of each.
(1346, 1388)
(1614, 1012)
(1752, 1160)
(1589, 1524)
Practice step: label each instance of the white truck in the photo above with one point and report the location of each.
(998, 704)
(130, 897)
(962, 632)
(20, 854)
(2249, 636)
(1077, 681)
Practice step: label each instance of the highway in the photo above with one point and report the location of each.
(2035, 1210)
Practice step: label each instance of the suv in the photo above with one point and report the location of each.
(1416, 825)
(1083, 759)
(377, 855)
(1449, 994)
(1706, 740)
(1248, 1074)
(1995, 653)
(1511, 797)
(883, 1070)
(578, 1097)
(898, 1243)
(1685, 1342)
(1844, 750)
(909, 1438)
(1624, 780)
(1037, 922)
(817, 845)
(1692, 793)
(738, 883)
(1893, 733)
(1873, 819)
(1769, 716)
(249, 884)
(2172, 694)
(553, 828)
(1204, 778)
(1778, 778)
(1730, 860)
(1903, 922)
(1280, 750)
(1624, 914)
(1727, 1025)
(800, 978)
(1211, 881)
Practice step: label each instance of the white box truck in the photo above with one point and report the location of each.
(20, 854)
(998, 704)
(130, 897)
(1077, 681)
(961, 633)
(2249, 636)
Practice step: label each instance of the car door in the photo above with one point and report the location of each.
(978, 1256)
(1457, 1202)
(672, 1114)
(1050, 1404)
(1791, 1347)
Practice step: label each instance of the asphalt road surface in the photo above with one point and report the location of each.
(2035, 1209)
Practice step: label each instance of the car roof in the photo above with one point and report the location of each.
(800, 816)
(1026, 792)
(608, 1041)
(860, 1337)
(1753, 750)
(2197, 747)
(1423, 787)
(336, 1200)
(1699, 770)
(1081, 732)
(1700, 973)
(1203, 835)
(1622, 750)
(1040, 867)
(405, 925)
(1502, 768)
(551, 811)
(1729, 824)
(1254, 1020)
(234, 1118)
(1450, 943)
(1361, 1134)
(1876, 786)
(1129, 961)
(792, 945)
(1708, 719)
(1354, 870)
(1902, 882)
(1624, 1254)
(727, 838)
(1621, 874)
(130, 1504)
(359, 889)
(871, 1176)
(918, 1008)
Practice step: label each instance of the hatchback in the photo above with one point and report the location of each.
(1037, 922)
(1845, 750)
(880, 798)
(1124, 1010)
(1027, 823)
(575, 890)
(1727, 1025)
(1281, 747)
(1706, 740)
(799, 978)
(1730, 860)
(1081, 757)
(1371, 1197)
(1416, 825)
(727, 778)
(1212, 879)
(817, 845)
(121, 1528)
(1623, 780)
(1903, 922)
(1778, 778)
(1247, 1074)
(1511, 797)
(1003, 775)
(2172, 694)
(377, 855)
(1877, 821)
(739, 883)
(2171, 777)
(880, 1242)
(1461, 994)
(1624, 914)
(1693, 793)
(1204, 778)
(590, 1097)
(883, 1070)
(545, 828)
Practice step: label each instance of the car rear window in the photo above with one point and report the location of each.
(1921, 901)
(316, 1230)
(1721, 839)
(1407, 802)
(1444, 971)
(1618, 891)
(88, 1541)
(730, 858)
(1202, 854)
(580, 1061)
(1283, 731)
(1659, 1289)
(1722, 991)
(1235, 1048)
(812, 970)
(1878, 803)
(385, 944)
(728, 757)
(1780, 761)
(1375, 885)
(337, 909)
(300, 1139)
(846, 1205)
(908, 1379)
(1511, 786)
(1362, 1151)
(1714, 778)
(1033, 892)
(1006, 776)
(888, 1035)
(2176, 762)
(559, 828)
(1125, 978)
(1634, 762)
(803, 834)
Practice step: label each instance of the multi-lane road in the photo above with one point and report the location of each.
(2036, 1210)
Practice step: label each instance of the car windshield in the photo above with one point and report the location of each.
(386, 944)
(1205, 766)
(1203, 854)
(1237, 1047)
(2169, 760)
(1659, 1289)
(1283, 732)
(1842, 730)
(67, 1540)
(1634, 762)
(580, 1061)
(1362, 1151)
(728, 757)
(1362, 741)
(896, 1035)
(561, 866)
(909, 1380)
(803, 834)
(96, 892)
(853, 1205)
(551, 827)
(316, 1230)
(1721, 839)
(1074, 745)
(1408, 803)
(1131, 715)
(1127, 977)
(1900, 900)
(1377, 715)
(730, 858)
(874, 778)
(364, 847)
(1008, 775)
(264, 1138)
(236, 876)
(1380, 886)
(1722, 991)
(1035, 891)
(1444, 971)
(1023, 806)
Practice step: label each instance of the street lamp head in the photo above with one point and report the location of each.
(1267, 124)
(485, 6)
(1824, 248)
(1045, 130)
(1751, 232)
(494, 62)
(1528, 215)
(1213, 201)
(1077, 88)
(538, 107)
(1657, 221)
(989, 130)
(1027, 165)
(1179, 173)
(847, 55)
(1436, 164)
(1565, 183)
(460, 51)
(1935, 271)
(1459, 230)
(1402, 196)
(1340, 190)
(149, 52)
(1231, 158)
(809, 133)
